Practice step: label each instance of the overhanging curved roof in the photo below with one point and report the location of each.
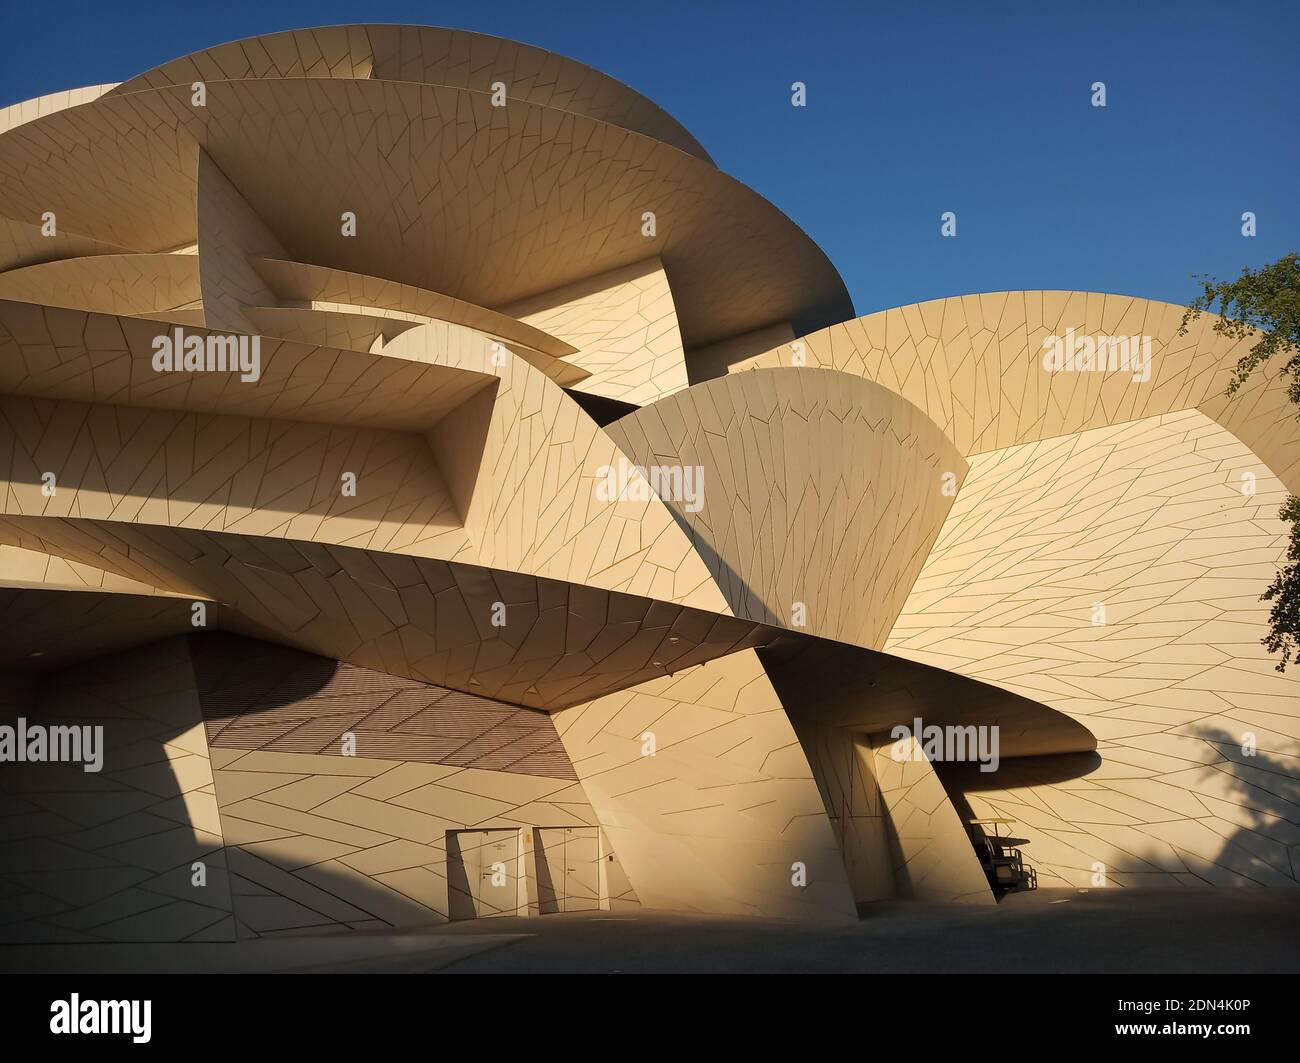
(486, 204)
(430, 55)
(973, 364)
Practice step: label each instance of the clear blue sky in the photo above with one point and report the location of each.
(913, 109)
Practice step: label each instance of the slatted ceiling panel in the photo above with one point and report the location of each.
(317, 734)
(441, 720)
(369, 711)
(550, 763)
(413, 697)
(483, 748)
(458, 700)
(377, 745)
(234, 675)
(348, 680)
(378, 721)
(241, 675)
(532, 750)
(256, 695)
(241, 734)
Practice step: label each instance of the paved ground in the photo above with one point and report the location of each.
(1044, 931)
(1157, 931)
(408, 950)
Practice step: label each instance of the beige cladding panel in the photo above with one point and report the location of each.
(233, 474)
(421, 618)
(1115, 575)
(286, 842)
(700, 784)
(109, 284)
(133, 851)
(817, 494)
(734, 269)
(527, 467)
(327, 842)
(933, 859)
(624, 327)
(426, 54)
(563, 699)
(59, 353)
(974, 364)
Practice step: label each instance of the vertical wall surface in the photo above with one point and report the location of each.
(719, 815)
(204, 762)
(229, 231)
(1115, 575)
(111, 855)
(333, 841)
(843, 765)
(625, 328)
(933, 859)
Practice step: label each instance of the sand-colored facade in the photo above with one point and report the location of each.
(563, 543)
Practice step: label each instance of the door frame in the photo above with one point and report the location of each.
(524, 870)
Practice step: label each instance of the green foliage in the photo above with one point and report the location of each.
(1266, 304)
(1284, 593)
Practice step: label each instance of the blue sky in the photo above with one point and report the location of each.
(914, 109)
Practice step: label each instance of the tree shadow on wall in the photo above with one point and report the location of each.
(93, 858)
(1228, 817)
